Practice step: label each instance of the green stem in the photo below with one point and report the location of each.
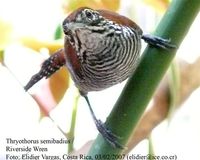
(141, 86)
(151, 148)
(174, 86)
(2, 57)
(73, 124)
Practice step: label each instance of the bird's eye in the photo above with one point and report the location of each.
(88, 14)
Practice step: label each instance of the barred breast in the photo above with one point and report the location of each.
(108, 55)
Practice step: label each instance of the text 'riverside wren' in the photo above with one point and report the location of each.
(101, 49)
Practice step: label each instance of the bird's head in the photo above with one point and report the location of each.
(85, 17)
(81, 18)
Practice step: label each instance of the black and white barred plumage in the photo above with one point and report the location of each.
(107, 52)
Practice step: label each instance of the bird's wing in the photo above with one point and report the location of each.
(117, 18)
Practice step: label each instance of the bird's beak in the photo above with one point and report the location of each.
(67, 27)
(70, 27)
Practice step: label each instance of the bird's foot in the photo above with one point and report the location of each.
(158, 42)
(111, 138)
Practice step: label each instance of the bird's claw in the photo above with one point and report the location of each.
(158, 42)
(111, 138)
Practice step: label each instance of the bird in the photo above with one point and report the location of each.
(101, 49)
